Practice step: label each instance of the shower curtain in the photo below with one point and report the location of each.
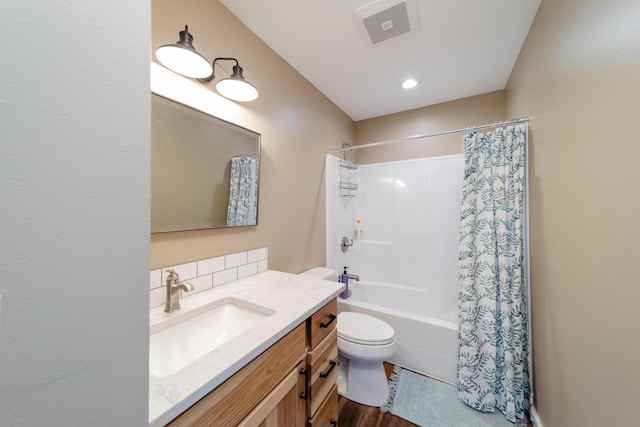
(243, 190)
(493, 371)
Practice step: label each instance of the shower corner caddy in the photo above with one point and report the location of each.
(348, 179)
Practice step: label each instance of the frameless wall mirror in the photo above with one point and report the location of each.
(204, 171)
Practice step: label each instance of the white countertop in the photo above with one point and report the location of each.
(293, 297)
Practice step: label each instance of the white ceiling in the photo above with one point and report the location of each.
(461, 48)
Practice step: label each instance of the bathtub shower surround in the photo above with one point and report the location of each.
(407, 258)
(408, 261)
(209, 273)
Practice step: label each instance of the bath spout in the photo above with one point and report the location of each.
(354, 277)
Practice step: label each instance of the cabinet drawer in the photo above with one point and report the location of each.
(322, 323)
(323, 370)
(327, 415)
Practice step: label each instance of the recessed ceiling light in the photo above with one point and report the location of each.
(409, 84)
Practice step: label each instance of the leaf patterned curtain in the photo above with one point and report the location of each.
(243, 191)
(493, 371)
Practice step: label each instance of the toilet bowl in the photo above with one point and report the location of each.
(364, 342)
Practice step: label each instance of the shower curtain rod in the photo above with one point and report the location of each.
(409, 138)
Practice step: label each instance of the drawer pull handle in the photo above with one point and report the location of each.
(332, 364)
(333, 422)
(304, 395)
(332, 317)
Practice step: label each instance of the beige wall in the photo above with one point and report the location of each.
(578, 79)
(297, 124)
(475, 110)
(575, 78)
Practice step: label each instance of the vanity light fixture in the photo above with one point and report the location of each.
(182, 58)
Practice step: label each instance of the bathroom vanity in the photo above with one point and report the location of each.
(281, 370)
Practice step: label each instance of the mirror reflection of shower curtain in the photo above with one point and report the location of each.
(243, 190)
(493, 370)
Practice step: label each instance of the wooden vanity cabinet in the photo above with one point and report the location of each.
(322, 366)
(292, 383)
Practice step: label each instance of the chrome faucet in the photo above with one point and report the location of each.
(354, 277)
(174, 286)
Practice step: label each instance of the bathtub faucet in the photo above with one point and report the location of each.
(354, 277)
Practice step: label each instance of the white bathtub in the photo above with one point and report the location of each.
(426, 329)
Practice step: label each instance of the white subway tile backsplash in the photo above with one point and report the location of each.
(155, 278)
(247, 270)
(158, 296)
(211, 265)
(185, 271)
(225, 276)
(256, 255)
(234, 260)
(208, 273)
(200, 283)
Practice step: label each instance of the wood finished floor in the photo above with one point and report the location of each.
(352, 414)
(355, 415)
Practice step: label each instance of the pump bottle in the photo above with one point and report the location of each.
(344, 279)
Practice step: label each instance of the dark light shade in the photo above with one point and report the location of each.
(182, 58)
(236, 87)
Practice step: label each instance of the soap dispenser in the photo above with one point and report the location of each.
(344, 279)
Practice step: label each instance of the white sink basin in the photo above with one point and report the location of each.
(176, 343)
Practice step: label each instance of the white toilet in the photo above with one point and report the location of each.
(364, 342)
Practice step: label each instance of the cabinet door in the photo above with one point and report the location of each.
(282, 407)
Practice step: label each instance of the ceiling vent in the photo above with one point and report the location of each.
(385, 19)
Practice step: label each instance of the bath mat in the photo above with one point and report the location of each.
(431, 403)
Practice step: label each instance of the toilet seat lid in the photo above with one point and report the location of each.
(364, 329)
